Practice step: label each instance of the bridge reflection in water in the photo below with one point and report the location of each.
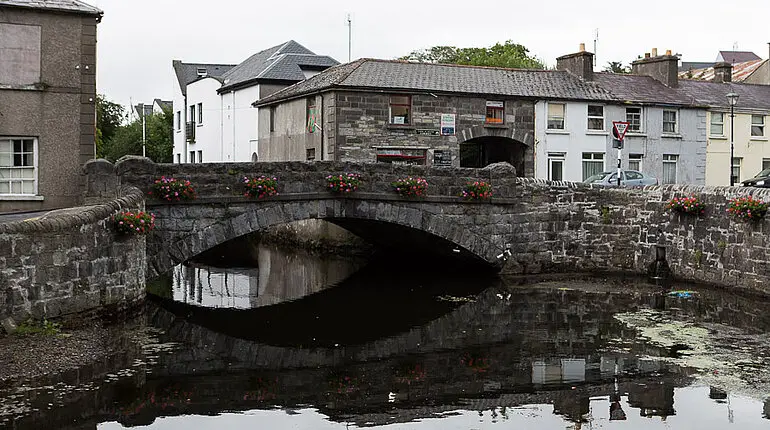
(462, 352)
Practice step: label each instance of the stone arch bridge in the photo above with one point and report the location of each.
(529, 226)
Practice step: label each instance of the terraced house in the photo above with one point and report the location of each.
(47, 101)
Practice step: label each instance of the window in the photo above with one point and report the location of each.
(192, 113)
(310, 154)
(200, 113)
(555, 116)
(272, 119)
(765, 163)
(495, 112)
(200, 156)
(757, 125)
(178, 120)
(178, 158)
(635, 162)
(593, 163)
(634, 119)
(736, 169)
(192, 157)
(18, 174)
(669, 122)
(556, 166)
(312, 112)
(20, 51)
(717, 124)
(669, 168)
(595, 117)
(400, 109)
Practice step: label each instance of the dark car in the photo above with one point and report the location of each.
(628, 178)
(761, 180)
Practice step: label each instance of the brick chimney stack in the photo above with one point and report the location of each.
(723, 72)
(663, 68)
(580, 64)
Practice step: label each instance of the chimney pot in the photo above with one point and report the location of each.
(646, 55)
(654, 52)
(668, 52)
(582, 47)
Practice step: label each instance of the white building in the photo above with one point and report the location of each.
(213, 117)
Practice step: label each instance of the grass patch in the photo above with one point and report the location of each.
(42, 328)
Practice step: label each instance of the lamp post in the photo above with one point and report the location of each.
(732, 98)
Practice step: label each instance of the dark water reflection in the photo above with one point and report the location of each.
(437, 350)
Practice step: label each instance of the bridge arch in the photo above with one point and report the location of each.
(177, 238)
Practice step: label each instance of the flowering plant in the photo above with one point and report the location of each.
(130, 222)
(343, 183)
(477, 190)
(261, 187)
(687, 205)
(172, 189)
(410, 187)
(475, 363)
(747, 208)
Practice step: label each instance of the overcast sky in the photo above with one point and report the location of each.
(138, 39)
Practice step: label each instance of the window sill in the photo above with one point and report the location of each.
(758, 138)
(597, 132)
(671, 136)
(718, 137)
(556, 132)
(200, 124)
(636, 135)
(401, 127)
(21, 197)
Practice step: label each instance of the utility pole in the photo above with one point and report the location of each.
(144, 131)
(350, 39)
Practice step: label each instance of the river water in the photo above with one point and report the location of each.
(298, 341)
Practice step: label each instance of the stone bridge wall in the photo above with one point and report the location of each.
(70, 261)
(547, 226)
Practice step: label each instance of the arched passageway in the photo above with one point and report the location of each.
(485, 150)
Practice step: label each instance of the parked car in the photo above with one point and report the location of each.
(761, 180)
(628, 178)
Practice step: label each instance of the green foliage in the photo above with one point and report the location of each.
(606, 215)
(509, 54)
(45, 328)
(747, 208)
(343, 183)
(133, 222)
(477, 190)
(109, 116)
(721, 245)
(687, 205)
(172, 189)
(617, 67)
(261, 187)
(160, 138)
(410, 187)
(698, 257)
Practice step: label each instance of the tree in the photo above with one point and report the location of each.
(160, 139)
(616, 67)
(509, 54)
(109, 117)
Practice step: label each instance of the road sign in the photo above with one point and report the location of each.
(619, 128)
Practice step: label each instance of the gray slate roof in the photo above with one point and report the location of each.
(74, 6)
(187, 73)
(283, 62)
(538, 84)
(446, 78)
(733, 57)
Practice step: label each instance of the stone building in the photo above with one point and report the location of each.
(413, 113)
(47, 101)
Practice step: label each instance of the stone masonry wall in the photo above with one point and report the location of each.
(70, 261)
(547, 226)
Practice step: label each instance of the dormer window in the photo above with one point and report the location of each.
(202, 72)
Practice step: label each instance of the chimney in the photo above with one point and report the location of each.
(723, 72)
(580, 64)
(663, 68)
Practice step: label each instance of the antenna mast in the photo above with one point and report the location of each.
(596, 41)
(350, 39)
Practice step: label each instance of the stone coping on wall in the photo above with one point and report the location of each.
(64, 219)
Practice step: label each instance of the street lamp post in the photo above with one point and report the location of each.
(732, 98)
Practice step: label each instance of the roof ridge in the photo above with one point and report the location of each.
(273, 62)
(470, 66)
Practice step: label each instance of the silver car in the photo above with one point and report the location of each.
(628, 178)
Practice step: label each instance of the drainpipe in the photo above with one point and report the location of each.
(233, 158)
(222, 127)
(184, 127)
(322, 127)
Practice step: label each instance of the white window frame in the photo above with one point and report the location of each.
(35, 164)
(556, 157)
(178, 121)
(593, 158)
(635, 158)
(407, 121)
(713, 123)
(550, 118)
(200, 114)
(676, 121)
(761, 125)
(590, 117)
(640, 128)
(670, 159)
(735, 169)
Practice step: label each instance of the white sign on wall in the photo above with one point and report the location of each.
(448, 121)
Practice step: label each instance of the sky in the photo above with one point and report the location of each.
(138, 39)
